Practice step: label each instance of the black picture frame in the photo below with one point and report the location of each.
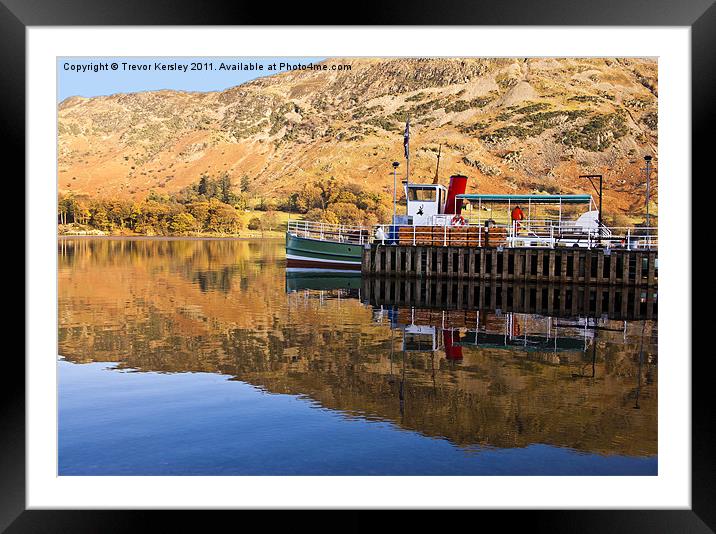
(699, 15)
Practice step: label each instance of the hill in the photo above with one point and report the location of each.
(511, 125)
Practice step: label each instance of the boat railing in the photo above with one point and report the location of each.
(633, 238)
(525, 233)
(322, 231)
(546, 233)
(431, 235)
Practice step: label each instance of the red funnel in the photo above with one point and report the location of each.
(458, 183)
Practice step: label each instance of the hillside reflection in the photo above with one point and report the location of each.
(493, 377)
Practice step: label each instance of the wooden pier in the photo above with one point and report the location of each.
(596, 266)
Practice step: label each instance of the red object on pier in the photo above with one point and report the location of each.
(458, 184)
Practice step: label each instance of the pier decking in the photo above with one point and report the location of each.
(595, 266)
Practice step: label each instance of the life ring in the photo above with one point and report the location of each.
(458, 220)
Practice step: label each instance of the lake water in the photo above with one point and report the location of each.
(205, 357)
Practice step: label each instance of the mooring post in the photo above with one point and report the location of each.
(613, 267)
(540, 265)
(505, 261)
(600, 267)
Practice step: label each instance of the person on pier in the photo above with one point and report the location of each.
(517, 216)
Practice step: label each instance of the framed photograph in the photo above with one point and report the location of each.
(411, 263)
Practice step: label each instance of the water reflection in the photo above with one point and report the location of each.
(497, 367)
(615, 302)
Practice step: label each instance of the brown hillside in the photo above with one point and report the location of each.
(511, 125)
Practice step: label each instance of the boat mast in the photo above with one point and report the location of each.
(406, 145)
(437, 167)
(395, 189)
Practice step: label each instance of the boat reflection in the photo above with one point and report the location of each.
(298, 279)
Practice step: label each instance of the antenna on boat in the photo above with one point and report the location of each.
(437, 167)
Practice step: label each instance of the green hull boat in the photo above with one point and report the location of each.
(323, 253)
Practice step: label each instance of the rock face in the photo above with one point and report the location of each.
(562, 117)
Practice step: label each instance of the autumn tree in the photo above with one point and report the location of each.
(204, 185)
(200, 211)
(63, 208)
(326, 216)
(223, 218)
(182, 223)
(119, 213)
(328, 188)
(99, 218)
(346, 213)
(224, 188)
(269, 221)
(245, 184)
(309, 198)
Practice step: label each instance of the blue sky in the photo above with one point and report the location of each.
(106, 82)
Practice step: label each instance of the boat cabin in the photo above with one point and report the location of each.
(428, 202)
(424, 202)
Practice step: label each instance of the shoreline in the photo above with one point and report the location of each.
(167, 238)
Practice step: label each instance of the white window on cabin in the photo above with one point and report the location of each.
(422, 194)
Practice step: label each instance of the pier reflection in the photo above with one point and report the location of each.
(474, 364)
(622, 303)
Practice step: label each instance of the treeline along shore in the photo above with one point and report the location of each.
(216, 206)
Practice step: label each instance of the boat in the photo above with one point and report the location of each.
(439, 216)
(321, 245)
